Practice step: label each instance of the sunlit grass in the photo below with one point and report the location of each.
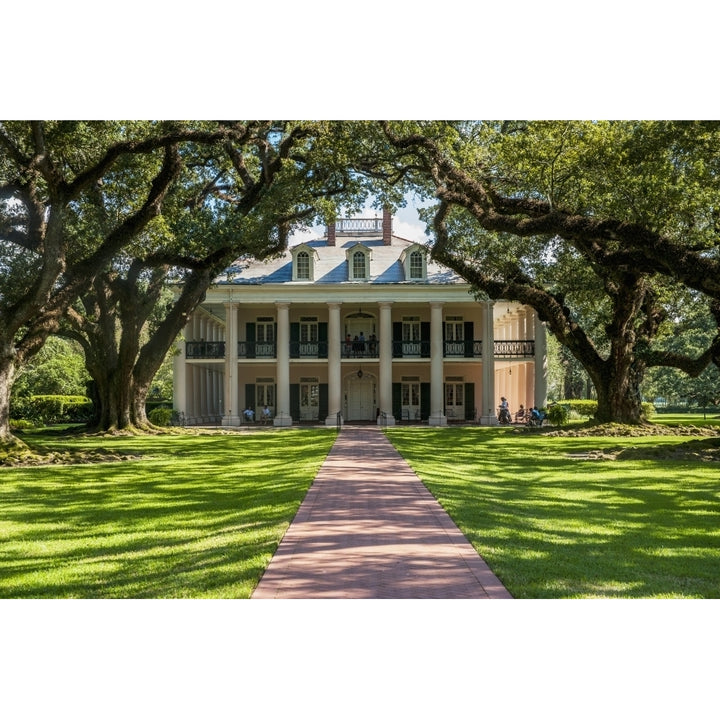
(197, 516)
(709, 419)
(553, 523)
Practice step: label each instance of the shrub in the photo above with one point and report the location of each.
(557, 414)
(21, 425)
(648, 409)
(160, 416)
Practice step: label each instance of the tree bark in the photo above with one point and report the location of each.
(7, 373)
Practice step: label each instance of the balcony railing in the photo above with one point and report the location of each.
(316, 349)
(514, 348)
(204, 350)
(360, 348)
(463, 348)
(358, 225)
(251, 349)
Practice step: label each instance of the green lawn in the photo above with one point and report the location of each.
(709, 419)
(201, 515)
(555, 517)
(196, 516)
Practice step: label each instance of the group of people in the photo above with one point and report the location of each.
(249, 414)
(531, 416)
(360, 345)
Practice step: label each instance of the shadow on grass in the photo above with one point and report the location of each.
(552, 526)
(198, 516)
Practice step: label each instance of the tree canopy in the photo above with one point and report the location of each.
(98, 217)
(587, 222)
(606, 229)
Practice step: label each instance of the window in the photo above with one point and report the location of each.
(265, 337)
(304, 257)
(411, 335)
(309, 398)
(308, 336)
(302, 265)
(454, 335)
(358, 262)
(455, 397)
(416, 265)
(359, 265)
(414, 262)
(265, 394)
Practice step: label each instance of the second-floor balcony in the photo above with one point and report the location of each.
(408, 349)
(251, 349)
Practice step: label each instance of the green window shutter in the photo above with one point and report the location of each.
(397, 339)
(295, 401)
(323, 402)
(469, 338)
(295, 342)
(322, 339)
(250, 397)
(470, 401)
(425, 340)
(250, 335)
(424, 401)
(397, 401)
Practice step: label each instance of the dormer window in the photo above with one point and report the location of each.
(358, 258)
(303, 262)
(414, 260)
(359, 265)
(302, 265)
(417, 265)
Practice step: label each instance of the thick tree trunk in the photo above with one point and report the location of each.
(619, 399)
(7, 373)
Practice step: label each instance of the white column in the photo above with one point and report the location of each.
(515, 378)
(192, 396)
(487, 414)
(282, 411)
(180, 378)
(437, 417)
(386, 364)
(334, 365)
(231, 411)
(540, 363)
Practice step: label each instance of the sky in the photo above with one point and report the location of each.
(406, 223)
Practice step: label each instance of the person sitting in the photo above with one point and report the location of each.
(249, 415)
(536, 417)
(265, 414)
(520, 415)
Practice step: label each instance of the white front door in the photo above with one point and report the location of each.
(360, 398)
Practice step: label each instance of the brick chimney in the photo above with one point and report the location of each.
(331, 235)
(387, 227)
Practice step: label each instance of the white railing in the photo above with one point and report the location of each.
(368, 225)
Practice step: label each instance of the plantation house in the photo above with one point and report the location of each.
(360, 325)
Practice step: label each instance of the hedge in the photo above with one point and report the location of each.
(588, 408)
(48, 409)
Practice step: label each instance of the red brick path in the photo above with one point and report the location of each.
(368, 528)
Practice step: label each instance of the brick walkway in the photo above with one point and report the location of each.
(368, 528)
